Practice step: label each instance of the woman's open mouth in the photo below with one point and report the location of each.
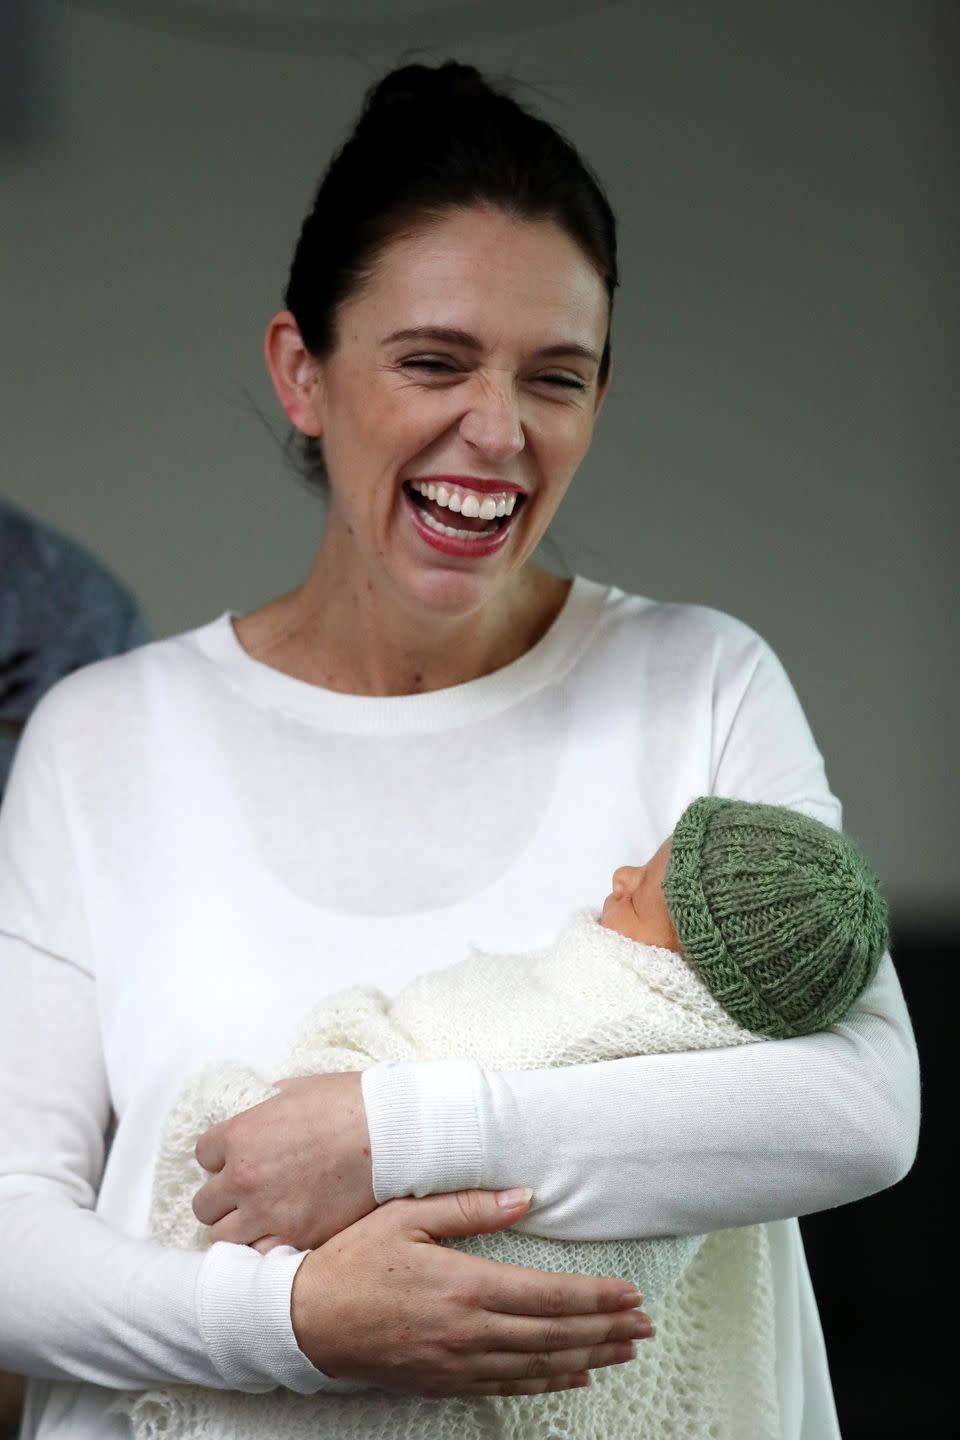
(458, 521)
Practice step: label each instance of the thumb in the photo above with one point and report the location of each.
(470, 1212)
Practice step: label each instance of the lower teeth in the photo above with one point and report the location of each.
(457, 534)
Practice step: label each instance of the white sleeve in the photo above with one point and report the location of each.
(78, 1299)
(665, 1144)
(680, 1144)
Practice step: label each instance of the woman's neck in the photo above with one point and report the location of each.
(348, 636)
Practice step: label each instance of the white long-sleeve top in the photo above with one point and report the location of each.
(194, 848)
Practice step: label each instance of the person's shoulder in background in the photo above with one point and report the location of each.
(60, 609)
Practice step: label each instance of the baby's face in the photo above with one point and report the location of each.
(636, 906)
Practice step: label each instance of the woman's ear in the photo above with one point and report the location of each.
(294, 373)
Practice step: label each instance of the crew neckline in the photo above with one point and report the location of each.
(553, 654)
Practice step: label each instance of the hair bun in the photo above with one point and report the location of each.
(422, 84)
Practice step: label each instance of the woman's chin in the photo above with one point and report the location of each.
(448, 588)
(451, 593)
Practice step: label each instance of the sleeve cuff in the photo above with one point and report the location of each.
(243, 1307)
(425, 1129)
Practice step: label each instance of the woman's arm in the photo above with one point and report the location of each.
(675, 1144)
(652, 1146)
(79, 1300)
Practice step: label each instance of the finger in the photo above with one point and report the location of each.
(526, 1387)
(516, 1290)
(509, 1332)
(463, 1212)
(212, 1202)
(211, 1151)
(238, 1228)
(510, 1365)
(268, 1242)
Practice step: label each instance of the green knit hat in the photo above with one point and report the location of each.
(781, 916)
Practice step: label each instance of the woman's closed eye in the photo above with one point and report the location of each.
(433, 365)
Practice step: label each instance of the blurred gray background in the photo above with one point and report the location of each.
(781, 436)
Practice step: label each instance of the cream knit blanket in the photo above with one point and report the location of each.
(708, 1374)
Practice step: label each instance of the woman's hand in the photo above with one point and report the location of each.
(294, 1170)
(384, 1304)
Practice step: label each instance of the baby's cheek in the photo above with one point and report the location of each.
(620, 915)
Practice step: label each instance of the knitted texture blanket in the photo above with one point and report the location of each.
(708, 1374)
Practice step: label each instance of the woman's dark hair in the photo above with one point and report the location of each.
(429, 140)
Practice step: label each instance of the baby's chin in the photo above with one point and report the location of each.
(631, 927)
(619, 915)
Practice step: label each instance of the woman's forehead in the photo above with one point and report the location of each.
(480, 271)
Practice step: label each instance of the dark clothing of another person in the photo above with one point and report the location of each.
(59, 609)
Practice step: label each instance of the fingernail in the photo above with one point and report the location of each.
(513, 1199)
(629, 1298)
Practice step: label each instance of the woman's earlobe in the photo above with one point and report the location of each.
(293, 372)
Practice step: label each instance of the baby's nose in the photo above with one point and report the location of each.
(626, 878)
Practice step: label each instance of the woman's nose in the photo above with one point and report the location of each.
(492, 424)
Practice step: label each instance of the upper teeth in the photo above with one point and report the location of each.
(466, 502)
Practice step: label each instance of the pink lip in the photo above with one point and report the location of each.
(472, 482)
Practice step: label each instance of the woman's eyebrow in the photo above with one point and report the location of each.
(445, 335)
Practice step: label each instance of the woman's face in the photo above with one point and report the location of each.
(468, 365)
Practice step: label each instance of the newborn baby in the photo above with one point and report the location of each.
(750, 922)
